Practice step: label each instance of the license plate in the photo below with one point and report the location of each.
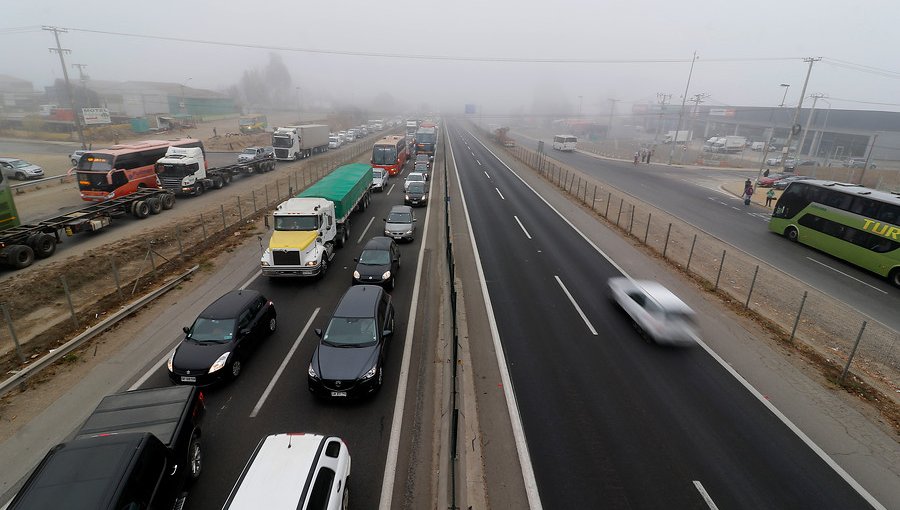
(186, 378)
(338, 393)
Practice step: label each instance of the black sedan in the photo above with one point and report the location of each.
(378, 263)
(221, 338)
(349, 360)
(416, 194)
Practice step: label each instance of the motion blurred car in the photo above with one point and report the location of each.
(657, 313)
(400, 223)
(20, 169)
(768, 181)
(783, 183)
(221, 338)
(379, 179)
(378, 263)
(416, 194)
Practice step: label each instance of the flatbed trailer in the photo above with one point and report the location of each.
(20, 245)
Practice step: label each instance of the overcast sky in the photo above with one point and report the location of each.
(863, 33)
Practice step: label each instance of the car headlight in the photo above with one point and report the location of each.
(219, 362)
(386, 275)
(409, 231)
(356, 274)
(312, 263)
(171, 362)
(312, 372)
(407, 197)
(371, 373)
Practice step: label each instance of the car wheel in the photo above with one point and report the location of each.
(199, 189)
(44, 245)
(392, 283)
(640, 331)
(235, 368)
(20, 176)
(195, 458)
(324, 269)
(74, 162)
(20, 256)
(792, 234)
(272, 324)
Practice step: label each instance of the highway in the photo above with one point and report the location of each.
(610, 421)
(693, 195)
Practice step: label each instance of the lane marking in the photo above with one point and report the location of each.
(512, 406)
(501, 194)
(365, 230)
(486, 175)
(390, 189)
(709, 502)
(577, 308)
(845, 274)
(251, 279)
(156, 366)
(473, 154)
(479, 162)
(390, 465)
(764, 401)
(522, 227)
(287, 358)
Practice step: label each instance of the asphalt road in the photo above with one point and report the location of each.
(610, 421)
(232, 430)
(693, 195)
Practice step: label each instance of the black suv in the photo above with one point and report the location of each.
(221, 338)
(378, 263)
(349, 360)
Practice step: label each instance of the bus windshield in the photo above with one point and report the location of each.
(384, 155)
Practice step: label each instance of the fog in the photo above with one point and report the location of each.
(745, 50)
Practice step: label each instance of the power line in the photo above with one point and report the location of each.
(862, 67)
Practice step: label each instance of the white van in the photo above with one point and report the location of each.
(565, 142)
(294, 471)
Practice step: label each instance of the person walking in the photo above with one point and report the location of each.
(766, 173)
(636, 156)
(770, 195)
(649, 155)
(748, 193)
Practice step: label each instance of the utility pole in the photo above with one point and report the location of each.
(661, 99)
(681, 113)
(868, 158)
(696, 99)
(815, 97)
(83, 78)
(795, 127)
(612, 109)
(60, 51)
(580, 103)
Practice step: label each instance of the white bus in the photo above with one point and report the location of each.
(564, 142)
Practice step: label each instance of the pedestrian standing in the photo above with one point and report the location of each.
(770, 195)
(766, 173)
(748, 193)
(636, 156)
(649, 155)
(215, 134)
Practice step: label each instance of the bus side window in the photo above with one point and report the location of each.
(119, 178)
(889, 213)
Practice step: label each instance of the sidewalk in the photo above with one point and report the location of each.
(736, 188)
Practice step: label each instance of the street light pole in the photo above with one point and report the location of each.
(786, 87)
(681, 113)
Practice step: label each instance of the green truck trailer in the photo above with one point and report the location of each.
(308, 228)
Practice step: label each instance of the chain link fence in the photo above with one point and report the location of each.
(843, 337)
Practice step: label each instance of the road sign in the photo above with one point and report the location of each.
(95, 116)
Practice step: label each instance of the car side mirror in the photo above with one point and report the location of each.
(415, 220)
(387, 332)
(186, 329)
(355, 260)
(318, 332)
(245, 331)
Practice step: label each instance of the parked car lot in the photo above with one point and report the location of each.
(221, 338)
(14, 168)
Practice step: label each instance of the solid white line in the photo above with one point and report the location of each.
(512, 406)
(479, 162)
(290, 354)
(486, 175)
(156, 366)
(577, 308)
(501, 194)
(473, 154)
(365, 230)
(522, 227)
(709, 502)
(735, 208)
(771, 407)
(845, 274)
(390, 189)
(390, 465)
(250, 280)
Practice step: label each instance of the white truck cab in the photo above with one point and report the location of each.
(303, 237)
(182, 170)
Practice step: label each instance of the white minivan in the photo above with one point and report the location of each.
(565, 143)
(294, 471)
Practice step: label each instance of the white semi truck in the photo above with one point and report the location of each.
(183, 170)
(297, 142)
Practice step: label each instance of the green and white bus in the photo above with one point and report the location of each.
(850, 222)
(9, 217)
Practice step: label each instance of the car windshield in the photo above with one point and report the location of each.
(399, 217)
(680, 317)
(375, 257)
(249, 151)
(421, 167)
(415, 177)
(421, 158)
(417, 187)
(350, 332)
(377, 173)
(296, 223)
(212, 330)
(18, 163)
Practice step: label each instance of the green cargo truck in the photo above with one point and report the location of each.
(309, 227)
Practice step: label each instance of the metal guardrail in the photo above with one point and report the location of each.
(28, 372)
(62, 179)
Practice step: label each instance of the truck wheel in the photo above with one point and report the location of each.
(226, 180)
(19, 256)
(155, 205)
(195, 458)
(324, 267)
(199, 189)
(345, 499)
(141, 209)
(168, 201)
(218, 183)
(44, 245)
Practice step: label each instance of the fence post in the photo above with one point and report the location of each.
(852, 353)
(752, 284)
(253, 194)
(666, 246)
(12, 333)
(608, 199)
(150, 256)
(647, 230)
(619, 214)
(631, 221)
(691, 254)
(69, 299)
(240, 212)
(178, 238)
(593, 198)
(222, 208)
(267, 195)
(203, 226)
(721, 265)
(797, 318)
